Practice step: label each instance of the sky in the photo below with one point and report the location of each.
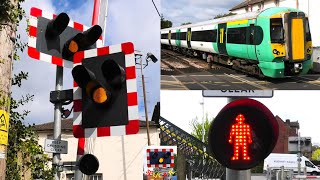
(181, 107)
(136, 21)
(182, 11)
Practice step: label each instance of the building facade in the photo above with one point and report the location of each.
(286, 129)
(120, 157)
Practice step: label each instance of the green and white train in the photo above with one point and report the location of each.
(275, 42)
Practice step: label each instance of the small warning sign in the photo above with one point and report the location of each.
(4, 126)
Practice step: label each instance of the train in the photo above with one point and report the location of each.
(274, 42)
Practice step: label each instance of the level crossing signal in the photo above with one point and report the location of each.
(243, 134)
(105, 92)
(55, 38)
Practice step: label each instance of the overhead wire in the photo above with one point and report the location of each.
(156, 8)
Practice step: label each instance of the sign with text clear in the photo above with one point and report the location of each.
(56, 146)
(238, 93)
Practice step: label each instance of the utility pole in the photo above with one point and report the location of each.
(7, 45)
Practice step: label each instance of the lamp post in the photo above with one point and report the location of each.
(153, 59)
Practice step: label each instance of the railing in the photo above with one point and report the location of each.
(195, 151)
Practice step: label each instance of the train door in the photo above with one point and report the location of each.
(169, 37)
(189, 38)
(222, 28)
(250, 42)
(178, 41)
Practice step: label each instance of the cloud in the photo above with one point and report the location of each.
(194, 11)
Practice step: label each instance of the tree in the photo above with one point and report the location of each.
(165, 23)
(224, 15)
(24, 157)
(10, 14)
(316, 155)
(197, 129)
(186, 23)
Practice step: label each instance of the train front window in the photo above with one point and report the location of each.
(276, 30)
(308, 34)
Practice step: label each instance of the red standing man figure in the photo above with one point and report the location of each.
(240, 137)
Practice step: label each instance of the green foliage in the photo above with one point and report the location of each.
(165, 23)
(224, 15)
(186, 23)
(24, 155)
(11, 12)
(258, 168)
(316, 155)
(197, 129)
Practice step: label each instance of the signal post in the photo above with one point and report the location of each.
(247, 123)
(104, 80)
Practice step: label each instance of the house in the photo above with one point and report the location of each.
(120, 157)
(286, 129)
(310, 7)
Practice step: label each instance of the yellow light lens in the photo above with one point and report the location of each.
(73, 47)
(100, 95)
(161, 160)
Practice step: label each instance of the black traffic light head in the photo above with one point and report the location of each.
(56, 38)
(104, 90)
(160, 157)
(243, 134)
(88, 164)
(56, 26)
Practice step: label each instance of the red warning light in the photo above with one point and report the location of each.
(240, 137)
(243, 134)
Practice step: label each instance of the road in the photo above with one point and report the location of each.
(181, 73)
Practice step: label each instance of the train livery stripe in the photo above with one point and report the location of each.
(240, 22)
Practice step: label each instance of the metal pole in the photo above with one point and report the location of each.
(237, 174)
(299, 155)
(203, 131)
(145, 101)
(57, 120)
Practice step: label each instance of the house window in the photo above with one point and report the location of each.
(97, 176)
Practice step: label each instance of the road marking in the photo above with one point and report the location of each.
(247, 81)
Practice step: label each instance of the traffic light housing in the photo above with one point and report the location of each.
(243, 134)
(88, 164)
(105, 94)
(104, 91)
(160, 157)
(55, 38)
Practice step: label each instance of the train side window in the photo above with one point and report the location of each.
(164, 36)
(258, 35)
(236, 35)
(215, 35)
(173, 35)
(308, 34)
(204, 36)
(276, 30)
(183, 36)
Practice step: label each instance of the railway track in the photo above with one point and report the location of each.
(181, 72)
